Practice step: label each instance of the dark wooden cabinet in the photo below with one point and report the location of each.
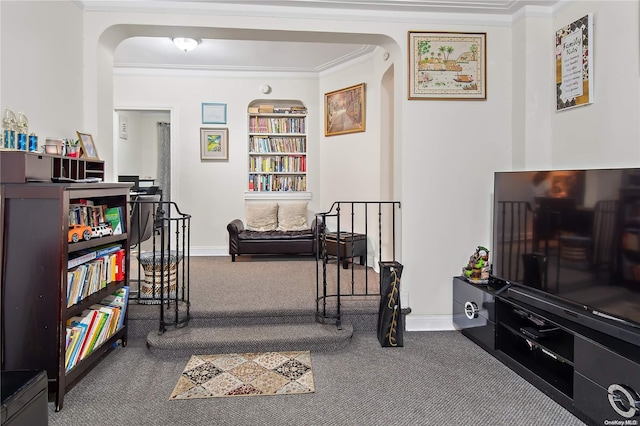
(34, 276)
(474, 312)
(594, 375)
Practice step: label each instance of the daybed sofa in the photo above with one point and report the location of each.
(271, 228)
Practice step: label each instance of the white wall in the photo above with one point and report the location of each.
(442, 147)
(533, 96)
(213, 191)
(41, 65)
(445, 152)
(605, 133)
(348, 170)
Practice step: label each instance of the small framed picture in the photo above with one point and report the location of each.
(87, 146)
(214, 144)
(213, 113)
(344, 111)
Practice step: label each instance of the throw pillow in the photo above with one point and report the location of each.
(292, 217)
(261, 216)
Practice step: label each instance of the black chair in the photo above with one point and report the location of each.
(142, 218)
(152, 190)
(135, 179)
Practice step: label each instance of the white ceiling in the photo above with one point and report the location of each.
(258, 55)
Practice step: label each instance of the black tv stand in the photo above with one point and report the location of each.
(594, 375)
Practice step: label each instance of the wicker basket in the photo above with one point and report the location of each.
(156, 271)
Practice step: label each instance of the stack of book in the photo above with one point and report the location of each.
(89, 330)
(85, 212)
(92, 270)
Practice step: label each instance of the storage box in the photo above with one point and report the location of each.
(24, 398)
(21, 167)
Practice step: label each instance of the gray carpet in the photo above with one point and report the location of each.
(259, 304)
(436, 378)
(260, 284)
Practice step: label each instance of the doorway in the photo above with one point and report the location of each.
(142, 147)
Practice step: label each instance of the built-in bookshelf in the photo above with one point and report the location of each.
(64, 302)
(277, 159)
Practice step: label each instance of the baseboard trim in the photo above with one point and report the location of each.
(429, 322)
(209, 251)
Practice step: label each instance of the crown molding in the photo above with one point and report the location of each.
(400, 11)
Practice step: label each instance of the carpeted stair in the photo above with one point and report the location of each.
(248, 331)
(252, 331)
(251, 338)
(240, 311)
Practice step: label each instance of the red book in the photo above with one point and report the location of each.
(92, 325)
(120, 264)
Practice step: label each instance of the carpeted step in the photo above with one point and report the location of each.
(192, 340)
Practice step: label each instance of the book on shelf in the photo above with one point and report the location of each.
(88, 318)
(120, 264)
(115, 217)
(84, 256)
(79, 331)
(86, 214)
(88, 278)
(119, 299)
(94, 326)
(113, 314)
(97, 333)
(108, 249)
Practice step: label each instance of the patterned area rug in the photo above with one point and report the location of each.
(267, 373)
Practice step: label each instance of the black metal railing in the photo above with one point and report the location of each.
(160, 234)
(350, 230)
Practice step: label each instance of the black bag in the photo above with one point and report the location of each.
(390, 322)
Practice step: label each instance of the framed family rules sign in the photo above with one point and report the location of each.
(574, 64)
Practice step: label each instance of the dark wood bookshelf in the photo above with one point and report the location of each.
(34, 281)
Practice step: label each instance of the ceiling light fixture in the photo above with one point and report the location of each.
(185, 43)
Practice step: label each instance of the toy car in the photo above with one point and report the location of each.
(101, 230)
(79, 231)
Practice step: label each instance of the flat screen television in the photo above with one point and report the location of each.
(570, 239)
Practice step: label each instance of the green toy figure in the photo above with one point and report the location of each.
(477, 270)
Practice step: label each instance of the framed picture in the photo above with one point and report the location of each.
(344, 111)
(214, 144)
(87, 146)
(574, 64)
(447, 66)
(214, 113)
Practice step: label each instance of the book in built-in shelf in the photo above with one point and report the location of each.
(277, 125)
(277, 183)
(277, 144)
(278, 164)
(277, 159)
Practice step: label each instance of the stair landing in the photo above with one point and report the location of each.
(192, 340)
